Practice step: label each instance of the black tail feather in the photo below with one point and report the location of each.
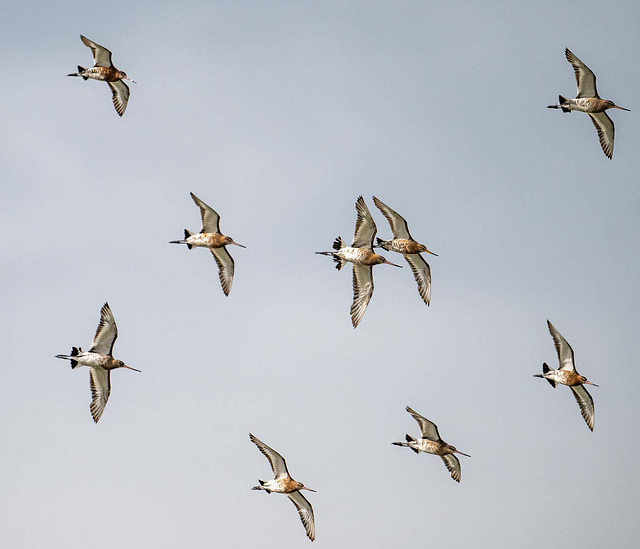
(337, 243)
(74, 352)
(563, 102)
(546, 369)
(187, 234)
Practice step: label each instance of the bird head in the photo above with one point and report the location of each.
(120, 364)
(228, 240)
(453, 449)
(123, 76)
(585, 381)
(424, 249)
(383, 260)
(612, 105)
(300, 486)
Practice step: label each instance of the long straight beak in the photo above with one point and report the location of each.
(130, 368)
(305, 488)
(621, 108)
(389, 263)
(432, 253)
(459, 452)
(590, 383)
(234, 242)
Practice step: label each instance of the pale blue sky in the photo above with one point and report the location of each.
(278, 115)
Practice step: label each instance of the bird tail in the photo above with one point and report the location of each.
(545, 370)
(261, 487)
(563, 102)
(74, 352)
(187, 234)
(79, 73)
(381, 243)
(338, 244)
(409, 439)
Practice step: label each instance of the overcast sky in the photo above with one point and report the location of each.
(279, 115)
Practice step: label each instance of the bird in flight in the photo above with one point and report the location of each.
(104, 70)
(284, 484)
(589, 101)
(99, 359)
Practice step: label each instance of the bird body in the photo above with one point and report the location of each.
(568, 375)
(358, 256)
(431, 443)
(100, 360)
(363, 258)
(589, 101)
(211, 237)
(402, 246)
(284, 484)
(586, 104)
(208, 240)
(104, 71)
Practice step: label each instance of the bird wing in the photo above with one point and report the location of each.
(428, 428)
(278, 464)
(306, 513)
(100, 381)
(365, 226)
(453, 465)
(120, 95)
(398, 223)
(226, 267)
(210, 219)
(101, 55)
(106, 333)
(422, 274)
(606, 131)
(564, 350)
(362, 292)
(584, 400)
(585, 79)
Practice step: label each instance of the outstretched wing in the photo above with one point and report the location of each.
(453, 465)
(398, 224)
(422, 274)
(106, 333)
(428, 428)
(365, 226)
(210, 219)
(101, 55)
(585, 78)
(278, 464)
(564, 350)
(606, 131)
(362, 292)
(120, 95)
(226, 267)
(100, 381)
(306, 513)
(584, 400)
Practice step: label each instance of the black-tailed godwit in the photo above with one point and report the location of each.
(408, 247)
(284, 484)
(99, 359)
(567, 375)
(104, 70)
(431, 443)
(361, 254)
(589, 101)
(211, 237)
